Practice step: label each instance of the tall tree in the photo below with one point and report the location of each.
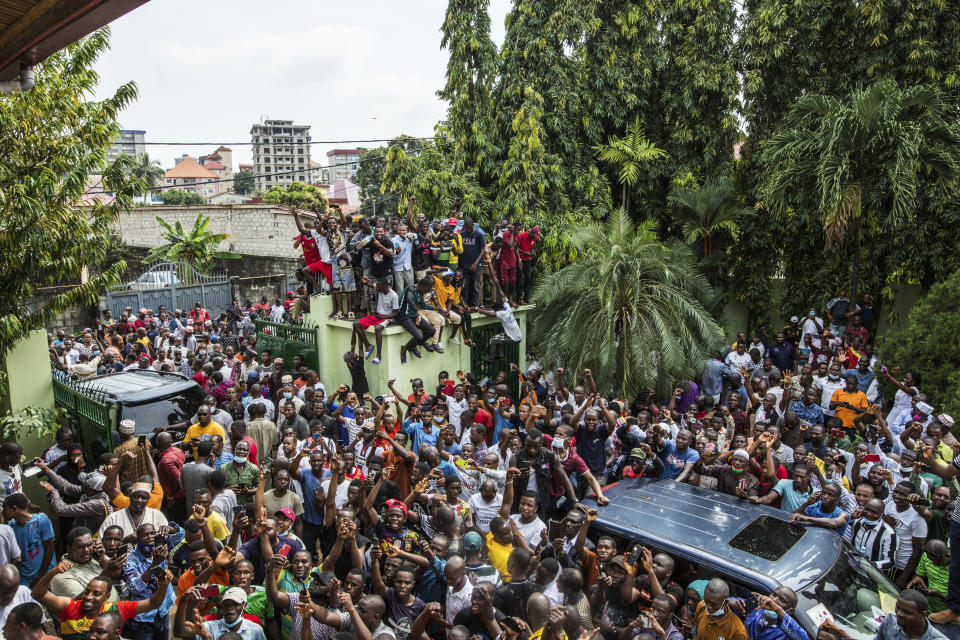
(148, 171)
(299, 195)
(471, 74)
(51, 138)
(629, 308)
(244, 182)
(374, 195)
(706, 211)
(855, 162)
(630, 154)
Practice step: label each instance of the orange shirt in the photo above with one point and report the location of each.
(857, 399)
(188, 578)
(155, 501)
(709, 627)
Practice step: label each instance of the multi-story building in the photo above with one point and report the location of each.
(189, 175)
(281, 153)
(130, 142)
(343, 163)
(221, 163)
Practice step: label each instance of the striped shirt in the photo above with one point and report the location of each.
(878, 542)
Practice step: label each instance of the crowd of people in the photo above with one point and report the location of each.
(290, 507)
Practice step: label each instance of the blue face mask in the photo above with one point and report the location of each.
(771, 615)
(287, 396)
(870, 523)
(145, 549)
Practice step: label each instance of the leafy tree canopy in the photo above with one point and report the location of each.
(176, 197)
(298, 195)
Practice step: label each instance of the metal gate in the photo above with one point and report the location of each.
(287, 340)
(87, 411)
(174, 285)
(509, 353)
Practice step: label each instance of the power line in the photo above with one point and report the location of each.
(260, 144)
(295, 171)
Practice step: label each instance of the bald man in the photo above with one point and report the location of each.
(714, 619)
(459, 589)
(12, 593)
(538, 608)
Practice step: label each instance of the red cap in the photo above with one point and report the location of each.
(452, 221)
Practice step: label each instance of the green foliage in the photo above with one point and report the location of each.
(243, 182)
(35, 421)
(197, 247)
(855, 163)
(630, 308)
(927, 344)
(371, 172)
(178, 198)
(51, 138)
(629, 154)
(147, 171)
(298, 195)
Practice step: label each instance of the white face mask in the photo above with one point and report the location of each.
(719, 612)
(240, 460)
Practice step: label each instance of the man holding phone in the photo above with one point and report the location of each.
(146, 573)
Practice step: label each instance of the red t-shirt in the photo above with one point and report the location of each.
(508, 257)
(311, 252)
(199, 316)
(525, 243)
(484, 418)
(573, 464)
(253, 448)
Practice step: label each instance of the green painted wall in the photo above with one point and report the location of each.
(334, 341)
(31, 385)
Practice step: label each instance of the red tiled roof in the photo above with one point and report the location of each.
(213, 166)
(222, 148)
(189, 168)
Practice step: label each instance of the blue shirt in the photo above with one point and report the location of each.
(590, 447)
(674, 461)
(759, 627)
(247, 629)
(30, 539)
(816, 511)
(712, 381)
(890, 630)
(224, 458)
(812, 414)
(401, 260)
(310, 483)
(863, 379)
(449, 471)
(473, 245)
(790, 498)
(136, 564)
(418, 436)
(432, 585)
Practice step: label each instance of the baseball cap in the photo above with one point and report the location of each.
(94, 480)
(794, 319)
(287, 513)
(234, 594)
(452, 221)
(638, 453)
(472, 542)
(448, 272)
(618, 560)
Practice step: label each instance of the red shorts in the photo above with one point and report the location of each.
(370, 321)
(322, 267)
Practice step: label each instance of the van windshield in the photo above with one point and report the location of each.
(163, 412)
(853, 593)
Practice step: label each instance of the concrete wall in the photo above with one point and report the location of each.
(254, 229)
(334, 341)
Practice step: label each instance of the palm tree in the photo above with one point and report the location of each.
(198, 247)
(855, 162)
(630, 308)
(149, 171)
(707, 211)
(629, 154)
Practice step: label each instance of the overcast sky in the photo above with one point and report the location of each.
(208, 70)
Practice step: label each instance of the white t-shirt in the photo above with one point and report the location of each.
(21, 596)
(454, 411)
(342, 489)
(9, 549)
(736, 360)
(11, 481)
(910, 524)
(827, 387)
(387, 302)
(531, 531)
(485, 511)
(510, 326)
(809, 326)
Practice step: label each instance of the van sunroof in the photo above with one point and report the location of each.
(768, 537)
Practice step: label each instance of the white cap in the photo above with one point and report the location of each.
(234, 594)
(741, 453)
(924, 408)
(945, 419)
(127, 426)
(794, 319)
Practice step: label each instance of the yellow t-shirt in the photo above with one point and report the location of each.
(217, 526)
(155, 501)
(204, 433)
(443, 290)
(857, 399)
(497, 554)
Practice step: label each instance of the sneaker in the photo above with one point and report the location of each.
(416, 353)
(377, 361)
(337, 316)
(366, 356)
(351, 317)
(455, 340)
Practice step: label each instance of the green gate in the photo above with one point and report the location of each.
(87, 411)
(287, 340)
(510, 353)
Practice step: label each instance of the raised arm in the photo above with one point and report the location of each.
(330, 510)
(154, 602)
(507, 502)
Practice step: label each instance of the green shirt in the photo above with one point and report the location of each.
(286, 582)
(257, 604)
(937, 578)
(248, 475)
